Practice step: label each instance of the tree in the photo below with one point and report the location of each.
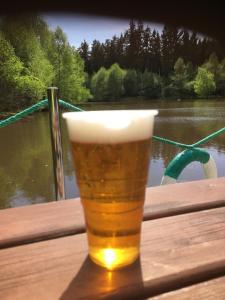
(156, 53)
(151, 85)
(110, 51)
(60, 48)
(217, 69)
(10, 70)
(70, 76)
(134, 45)
(97, 56)
(18, 87)
(36, 57)
(20, 31)
(213, 66)
(179, 79)
(180, 83)
(72, 81)
(204, 84)
(221, 80)
(131, 83)
(83, 50)
(99, 84)
(147, 49)
(115, 88)
(171, 41)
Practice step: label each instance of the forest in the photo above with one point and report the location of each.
(139, 63)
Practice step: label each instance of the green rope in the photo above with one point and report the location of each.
(209, 137)
(157, 138)
(186, 146)
(33, 108)
(24, 113)
(69, 106)
(170, 142)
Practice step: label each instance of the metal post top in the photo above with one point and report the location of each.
(52, 88)
(56, 142)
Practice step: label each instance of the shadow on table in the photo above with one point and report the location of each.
(94, 282)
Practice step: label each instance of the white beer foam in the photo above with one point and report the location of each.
(110, 126)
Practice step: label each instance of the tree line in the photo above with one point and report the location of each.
(184, 81)
(172, 64)
(141, 62)
(142, 48)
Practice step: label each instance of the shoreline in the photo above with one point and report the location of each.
(135, 101)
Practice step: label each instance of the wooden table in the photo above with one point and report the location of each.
(43, 249)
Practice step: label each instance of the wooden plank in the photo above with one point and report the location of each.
(50, 220)
(208, 290)
(173, 199)
(39, 222)
(176, 251)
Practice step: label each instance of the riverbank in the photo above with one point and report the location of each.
(133, 103)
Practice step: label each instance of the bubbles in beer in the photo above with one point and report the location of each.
(111, 151)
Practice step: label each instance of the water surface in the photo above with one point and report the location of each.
(26, 174)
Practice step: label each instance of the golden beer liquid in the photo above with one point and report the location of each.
(112, 180)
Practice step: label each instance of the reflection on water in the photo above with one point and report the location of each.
(26, 174)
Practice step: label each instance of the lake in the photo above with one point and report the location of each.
(26, 174)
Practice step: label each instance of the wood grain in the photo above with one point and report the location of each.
(50, 220)
(208, 290)
(176, 252)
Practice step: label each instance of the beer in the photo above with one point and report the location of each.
(111, 152)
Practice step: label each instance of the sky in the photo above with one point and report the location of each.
(83, 27)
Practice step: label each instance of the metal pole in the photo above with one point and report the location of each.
(56, 142)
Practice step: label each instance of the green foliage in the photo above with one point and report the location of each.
(131, 83)
(15, 80)
(218, 70)
(221, 79)
(108, 84)
(139, 47)
(156, 64)
(213, 65)
(20, 31)
(151, 85)
(204, 84)
(140, 62)
(10, 70)
(99, 83)
(83, 50)
(180, 86)
(10, 64)
(96, 56)
(180, 68)
(115, 88)
(69, 69)
(34, 58)
(32, 89)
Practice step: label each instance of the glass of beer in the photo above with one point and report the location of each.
(111, 152)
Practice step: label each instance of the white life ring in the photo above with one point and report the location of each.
(177, 165)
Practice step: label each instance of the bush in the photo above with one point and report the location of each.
(204, 84)
(115, 88)
(99, 84)
(131, 83)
